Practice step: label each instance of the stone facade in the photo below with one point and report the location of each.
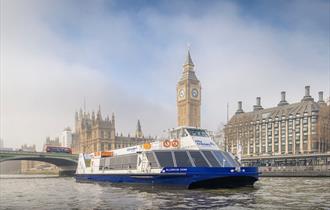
(297, 128)
(52, 142)
(189, 96)
(94, 133)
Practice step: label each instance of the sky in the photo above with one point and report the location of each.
(127, 56)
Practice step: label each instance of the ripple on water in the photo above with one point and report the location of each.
(65, 193)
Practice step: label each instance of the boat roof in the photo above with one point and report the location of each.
(181, 138)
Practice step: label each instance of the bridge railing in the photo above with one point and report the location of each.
(57, 154)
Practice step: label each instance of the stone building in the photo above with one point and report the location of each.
(297, 128)
(95, 133)
(53, 142)
(189, 96)
(66, 137)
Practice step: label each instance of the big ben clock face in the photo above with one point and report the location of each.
(194, 93)
(181, 93)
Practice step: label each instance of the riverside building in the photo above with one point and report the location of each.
(95, 133)
(297, 128)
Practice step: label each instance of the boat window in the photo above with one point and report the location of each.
(131, 161)
(209, 156)
(233, 159)
(152, 160)
(182, 159)
(165, 159)
(120, 162)
(198, 159)
(102, 162)
(197, 132)
(225, 159)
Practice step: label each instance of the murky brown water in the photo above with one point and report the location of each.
(65, 193)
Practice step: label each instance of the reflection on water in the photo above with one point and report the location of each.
(64, 193)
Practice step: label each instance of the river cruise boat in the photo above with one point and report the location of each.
(189, 158)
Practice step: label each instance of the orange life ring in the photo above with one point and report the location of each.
(175, 143)
(166, 143)
(146, 146)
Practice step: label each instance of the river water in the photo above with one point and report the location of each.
(24, 192)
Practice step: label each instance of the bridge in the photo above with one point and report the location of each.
(67, 163)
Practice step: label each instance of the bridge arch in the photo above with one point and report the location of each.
(66, 165)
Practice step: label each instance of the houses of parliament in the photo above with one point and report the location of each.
(96, 133)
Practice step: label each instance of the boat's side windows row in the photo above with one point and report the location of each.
(187, 159)
(119, 162)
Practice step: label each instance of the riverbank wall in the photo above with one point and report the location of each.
(295, 171)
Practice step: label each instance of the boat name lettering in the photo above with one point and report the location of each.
(131, 149)
(200, 142)
(174, 170)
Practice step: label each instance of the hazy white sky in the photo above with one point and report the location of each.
(127, 56)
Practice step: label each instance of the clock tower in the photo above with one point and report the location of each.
(188, 98)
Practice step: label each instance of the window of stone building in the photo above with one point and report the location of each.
(314, 119)
(290, 147)
(305, 146)
(102, 146)
(305, 120)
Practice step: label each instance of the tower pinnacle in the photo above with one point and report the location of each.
(138, 132)
(188, 60)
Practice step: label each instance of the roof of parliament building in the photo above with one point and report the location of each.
(307, 105)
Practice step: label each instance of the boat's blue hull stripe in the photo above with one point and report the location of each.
(176, 176)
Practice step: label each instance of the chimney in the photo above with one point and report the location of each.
(307, 91)
(258, 101)
(283, 96)
(258, 105)
(307, 96)
(239, 110)
(321, 101)
(283, 101)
